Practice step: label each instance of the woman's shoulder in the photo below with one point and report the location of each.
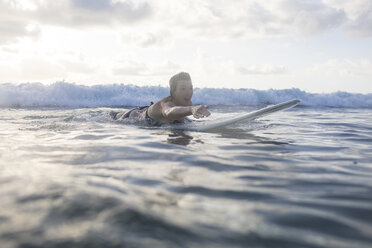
(166, 99)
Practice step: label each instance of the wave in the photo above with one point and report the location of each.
(64, 94)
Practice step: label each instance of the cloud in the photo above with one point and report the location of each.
(223, 19)
(212, 64)
(78, 67)
(10, 50)
(359, 16)
(87, 13)
(132, 68)
(208, 19)
(11, 31)
(14, 24)
(306, 18)
(361, 27)
(73, 13)
(31, 69)
(18, 21)
(140, 68)
(260, 70)
(96, 5)
(147, 39)
(42, 68)
(248, 18)
(345, 67)
(204, 18)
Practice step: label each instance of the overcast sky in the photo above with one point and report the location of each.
(317, 46)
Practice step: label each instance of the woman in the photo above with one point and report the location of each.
(171, 109)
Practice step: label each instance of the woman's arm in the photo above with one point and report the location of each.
(171, 112)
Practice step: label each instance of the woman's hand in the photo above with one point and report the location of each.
(200, 111)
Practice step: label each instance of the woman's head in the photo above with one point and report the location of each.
(181, 89)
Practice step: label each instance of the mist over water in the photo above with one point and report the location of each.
(63, 94)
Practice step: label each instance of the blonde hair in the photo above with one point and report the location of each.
(174, 80)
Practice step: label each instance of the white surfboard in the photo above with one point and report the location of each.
(249, 116)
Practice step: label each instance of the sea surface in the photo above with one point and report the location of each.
(70, 176)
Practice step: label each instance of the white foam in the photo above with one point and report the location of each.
(63, 94)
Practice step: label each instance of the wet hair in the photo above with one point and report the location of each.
(174, 80)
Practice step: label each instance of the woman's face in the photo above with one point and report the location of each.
(183, 93)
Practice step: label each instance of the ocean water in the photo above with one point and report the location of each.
(70, 176)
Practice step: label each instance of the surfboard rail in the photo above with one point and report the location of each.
(248, 116)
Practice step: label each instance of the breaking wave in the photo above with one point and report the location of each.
(63, 94)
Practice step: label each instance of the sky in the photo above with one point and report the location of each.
(317, 46)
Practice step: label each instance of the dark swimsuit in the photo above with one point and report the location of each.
(150, 121)
(126, 114)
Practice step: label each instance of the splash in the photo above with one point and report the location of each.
(63, 94)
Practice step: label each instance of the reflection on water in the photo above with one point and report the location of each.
(88, 181)
(183, 138)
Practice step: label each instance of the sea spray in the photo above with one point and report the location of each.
(64, 94)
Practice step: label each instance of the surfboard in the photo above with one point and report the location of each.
(206, 125)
